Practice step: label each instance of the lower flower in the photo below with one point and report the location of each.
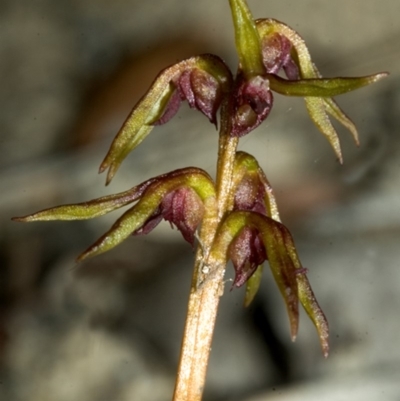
(248, 239)
(178, 197)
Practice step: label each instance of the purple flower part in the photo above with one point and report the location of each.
(182, 208)
(184, 84)
(247, 252)
(291, 70)
(277, 55)
(150, 224)
(201, 90)
(275, 52)
(208, 94)
(172, 108)
(253, 102)
(250, 195)
(185, 210)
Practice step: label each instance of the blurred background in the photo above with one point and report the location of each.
(110, 329)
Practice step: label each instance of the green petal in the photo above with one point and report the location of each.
(247, 39)
(336, 112)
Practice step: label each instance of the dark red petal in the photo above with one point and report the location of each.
(185, 86)
(150, 224)
(277, 54)
(171, 108)
(253, 102)
(250, 195)
(201, 90)
(208, 94)
(247, 252)
(291, 70)
(184, 209)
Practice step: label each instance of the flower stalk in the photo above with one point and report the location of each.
(236, 216)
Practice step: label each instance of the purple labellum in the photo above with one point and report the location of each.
(201, 90)
(247, 252)
(250, 195)
(171, 109)
(150, 224)
(208, 94)
(276, 52)
(182, 208)
(184, 84)
(253, 102)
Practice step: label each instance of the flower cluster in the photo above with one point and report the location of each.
(248, 230)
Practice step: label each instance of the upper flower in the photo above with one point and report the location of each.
(266, 47)
(203, 81)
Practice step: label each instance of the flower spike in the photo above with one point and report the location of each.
(202, 80)
(238, 214)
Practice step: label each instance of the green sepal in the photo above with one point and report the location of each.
(88, 210)
(253, 285)
(320, 87)
(247, 39)
(317, 93)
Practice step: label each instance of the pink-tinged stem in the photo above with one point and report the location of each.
(196, 346)
(207, 283)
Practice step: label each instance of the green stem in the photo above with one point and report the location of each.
(226, 159)
(207, 284)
